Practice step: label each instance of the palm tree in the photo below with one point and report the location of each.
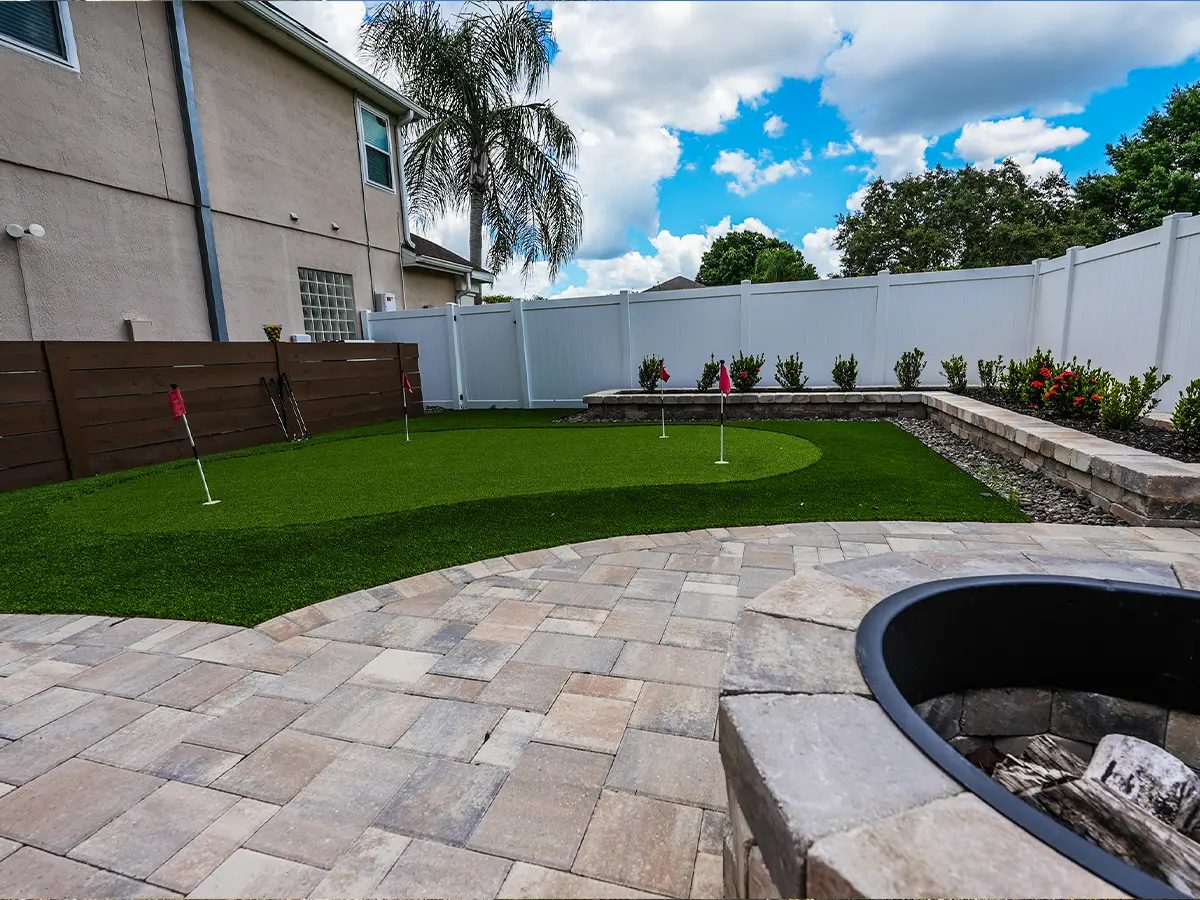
(786, 263)
(488, 144)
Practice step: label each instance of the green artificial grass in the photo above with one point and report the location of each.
(299, 523)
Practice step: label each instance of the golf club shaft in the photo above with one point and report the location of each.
(275, 406)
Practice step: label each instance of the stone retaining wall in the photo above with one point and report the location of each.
(1136, 486)
(635, 406)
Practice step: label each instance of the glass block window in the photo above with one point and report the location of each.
(376, 148)
(39, 27)
(328, 302)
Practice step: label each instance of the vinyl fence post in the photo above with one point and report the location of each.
(627, 342)
(452, 349)
(518, 308)
(1035, 302)
(879, 335)
(744, 317)
(1072, 252)
(1169, 239)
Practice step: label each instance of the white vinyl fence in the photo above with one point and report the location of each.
(1127, 305)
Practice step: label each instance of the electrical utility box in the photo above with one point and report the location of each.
(385, 303)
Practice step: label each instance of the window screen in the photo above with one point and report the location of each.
(328, 302)
(377, 147)
(36, 24)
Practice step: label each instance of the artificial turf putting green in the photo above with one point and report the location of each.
(285, 535)
(384, 473)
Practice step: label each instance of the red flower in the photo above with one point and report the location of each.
(1092, 380)
(1097, 397)
(1033, 406)
(742, 375)
(1044, 371)
(1068, 374)
(1039, 384)
(1052, 392)
(1078, 400)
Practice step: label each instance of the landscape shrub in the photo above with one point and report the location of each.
(790, 372)
(648, 373)
(845, 372)
(746, 371)
(1186, 417)
(955, 371)
(1072, 390)
(709, 374)
(1124, 404)
(990, 373)
(1020, 375)
(909, 367)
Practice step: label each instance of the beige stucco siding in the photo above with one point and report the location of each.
(279, 136)
(107, 255)
(424, 288)
(100, 123)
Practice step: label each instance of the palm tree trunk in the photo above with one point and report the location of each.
(477, 228)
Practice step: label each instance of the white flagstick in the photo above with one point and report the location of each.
(404, 400)
(722, 461)
(664, 408)
(196, 453)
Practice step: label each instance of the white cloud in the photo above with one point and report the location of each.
(774, 127)
(986, 143)
(750, 174)
(928, 67)
(897, 156)
(336, 22)
(1065, 108)
(833, 149)
(819, 250)
(673, 255)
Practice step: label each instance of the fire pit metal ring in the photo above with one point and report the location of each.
(1134, 641)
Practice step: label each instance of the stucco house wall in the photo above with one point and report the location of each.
(97, 156)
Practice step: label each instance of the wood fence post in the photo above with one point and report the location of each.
(58, 362)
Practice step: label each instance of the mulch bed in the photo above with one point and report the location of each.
(1154, 440)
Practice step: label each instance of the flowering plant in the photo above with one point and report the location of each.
(790, 372)
(273, 332)
(745, 371)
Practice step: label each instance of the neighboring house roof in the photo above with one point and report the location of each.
(678, 283)
(435, 256)
(282, 30)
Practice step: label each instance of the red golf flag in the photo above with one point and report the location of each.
(726, 383)
(176, 397)
(662, 372)
(407, 383)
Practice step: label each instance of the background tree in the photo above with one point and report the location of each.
(733, 257)
(488, 145)
(782, 264)
(965, 218)
(1156, 171)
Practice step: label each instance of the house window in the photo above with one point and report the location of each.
(328, 302)
(376, 133)
(39, 28)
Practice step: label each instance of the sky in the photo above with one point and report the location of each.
(697, 118)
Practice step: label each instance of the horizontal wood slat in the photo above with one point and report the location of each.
(27, 418)
(33, 475)
(21, 356)
(111, 399)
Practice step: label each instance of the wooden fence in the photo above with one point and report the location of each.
(74, 409)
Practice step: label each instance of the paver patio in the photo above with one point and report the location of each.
(537, 725)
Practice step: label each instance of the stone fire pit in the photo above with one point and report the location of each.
(839, 787)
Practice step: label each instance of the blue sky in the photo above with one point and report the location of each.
(670, 100)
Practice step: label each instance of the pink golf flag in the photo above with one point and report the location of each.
(725, 382)
(176, 397)
(406, 382)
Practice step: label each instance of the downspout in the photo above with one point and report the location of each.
(402, 231)
(206, 240)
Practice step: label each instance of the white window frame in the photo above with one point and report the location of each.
(359, 108)
(64, 22)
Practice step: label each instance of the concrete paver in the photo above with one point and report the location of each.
(536, 725)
